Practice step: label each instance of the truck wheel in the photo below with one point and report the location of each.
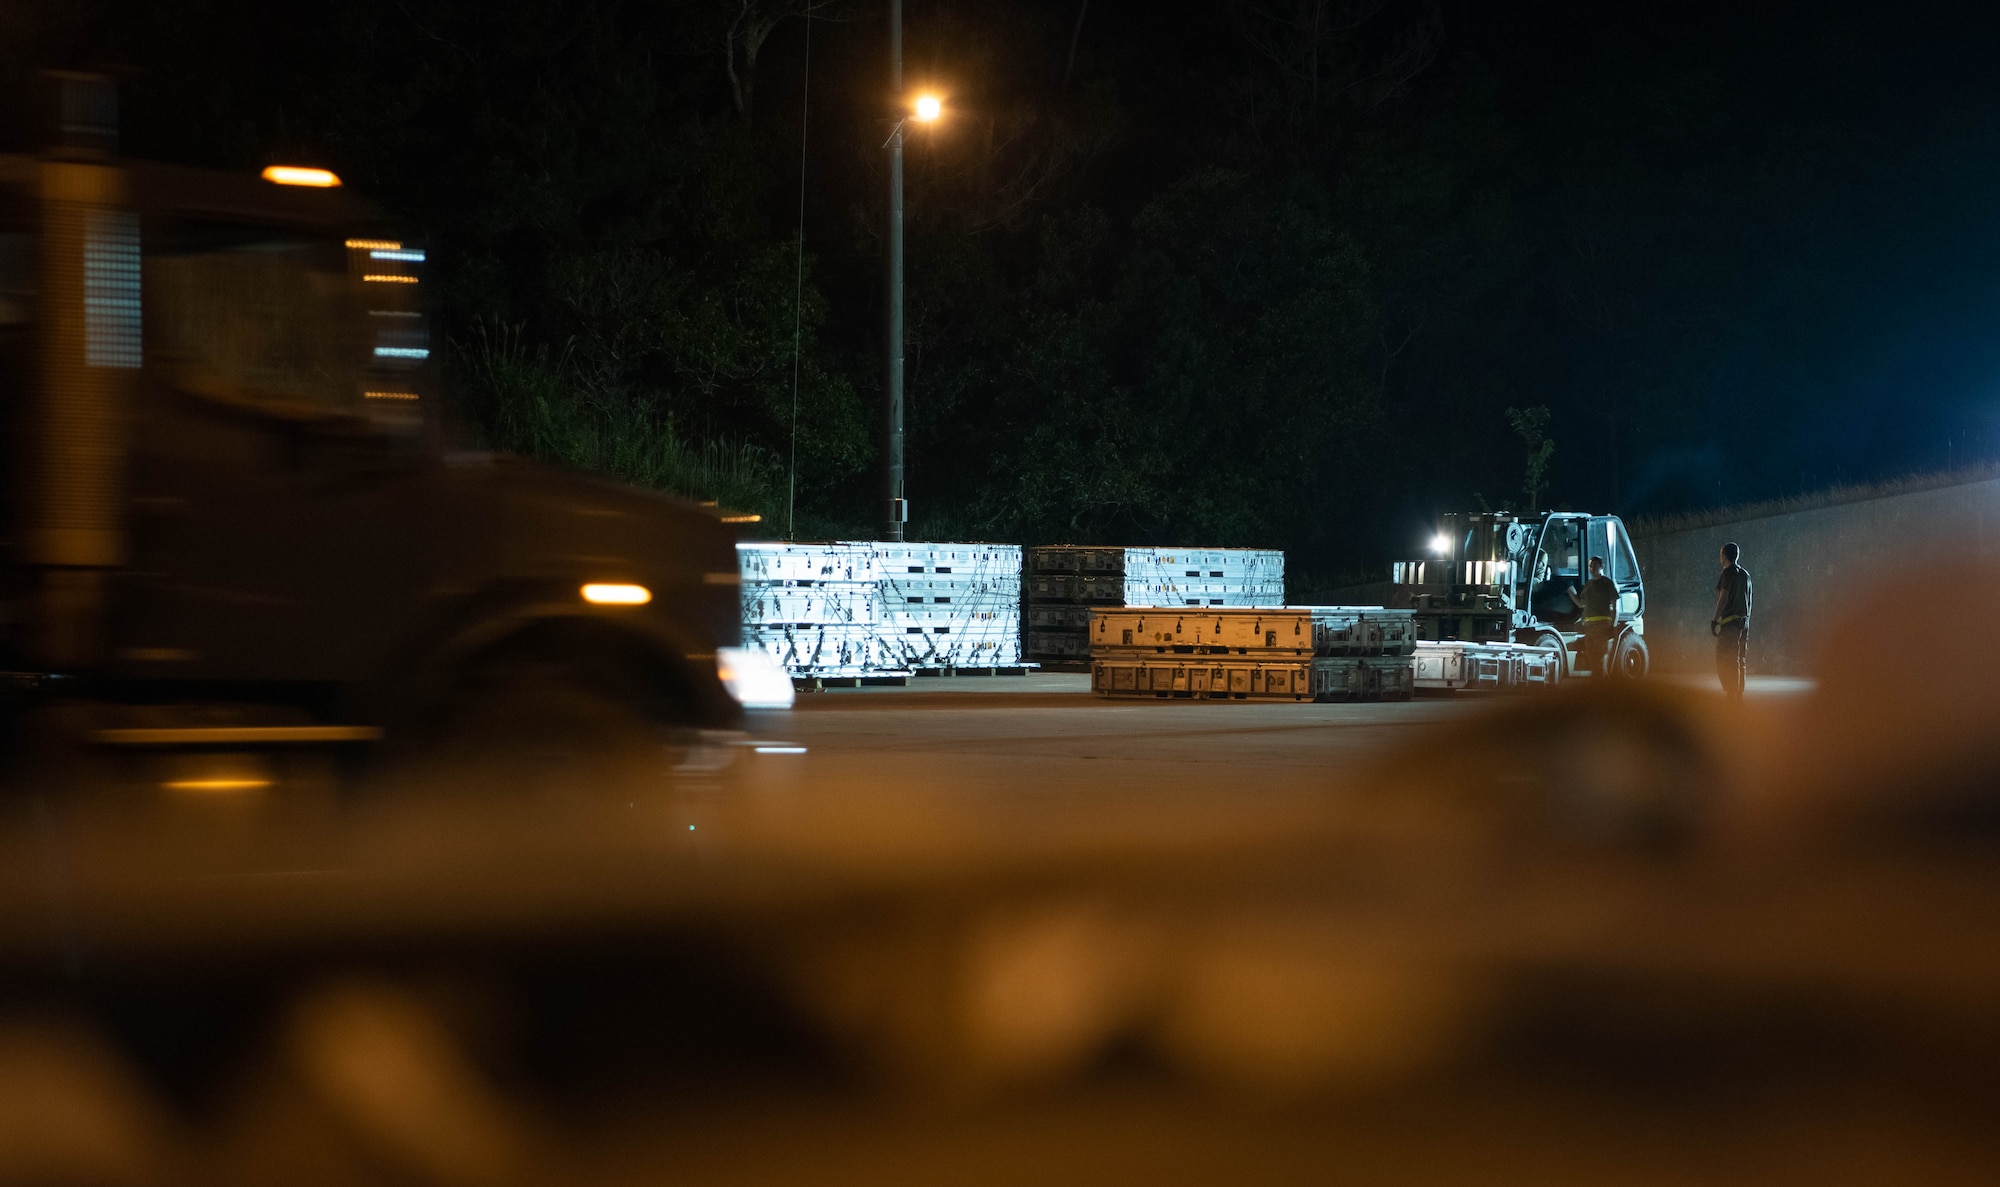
(547, 729)
(1629, 658)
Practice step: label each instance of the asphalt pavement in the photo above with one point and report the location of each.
(1049, 732)
(952, 766)
(1524, 940)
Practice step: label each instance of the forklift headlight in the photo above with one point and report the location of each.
(755, 679)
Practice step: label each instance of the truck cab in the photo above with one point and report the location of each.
(1498, 577)
(232, 523)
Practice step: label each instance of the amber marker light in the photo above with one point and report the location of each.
(207, 785)
(606, 594)
(389, 395)
(388, 278)
(323, 179)
(375, 244)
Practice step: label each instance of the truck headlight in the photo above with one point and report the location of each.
(755, 679)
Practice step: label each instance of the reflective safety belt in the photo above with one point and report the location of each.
(1598, 618)
(1730, 619)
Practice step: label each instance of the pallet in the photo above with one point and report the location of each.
(1021, 670)
(1269, 632)
(824, 683)
(1340, 678)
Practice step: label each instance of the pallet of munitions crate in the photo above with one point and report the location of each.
(1061, 582)
(1291, 630)
(856, 608)
(1234, 677)
(1456, 666)
(951, 606)
(1328, 653)
(1155, 576)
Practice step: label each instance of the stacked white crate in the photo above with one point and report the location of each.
(1204, 577)
(867, 608)
(948, 606)
(815, 608)
(1064, 580)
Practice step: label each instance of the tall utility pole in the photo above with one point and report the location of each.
(892, 446)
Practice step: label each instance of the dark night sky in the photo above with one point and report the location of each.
(1738, 250)
(1872, 271)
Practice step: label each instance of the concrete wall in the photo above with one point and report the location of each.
(1803, 564)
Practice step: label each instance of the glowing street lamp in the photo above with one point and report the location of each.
(928, 108)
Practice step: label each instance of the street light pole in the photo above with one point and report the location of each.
(892, 451)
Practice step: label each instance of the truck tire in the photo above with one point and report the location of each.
(1629, 658)
(528, 725)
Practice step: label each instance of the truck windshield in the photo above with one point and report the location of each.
(281, 318)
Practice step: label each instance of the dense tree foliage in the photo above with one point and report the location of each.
(1244, 271)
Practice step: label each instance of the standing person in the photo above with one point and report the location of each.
(1731, 624)
(1600, 615)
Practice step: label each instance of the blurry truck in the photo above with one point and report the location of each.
(230, 533)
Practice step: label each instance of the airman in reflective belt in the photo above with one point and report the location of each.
(1731, 624)
(1600, 616)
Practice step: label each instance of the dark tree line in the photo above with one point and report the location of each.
(1245, 272)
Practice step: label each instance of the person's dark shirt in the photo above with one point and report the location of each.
(1600, 597)
(1734, 585)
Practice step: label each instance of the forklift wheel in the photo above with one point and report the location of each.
(1629, 658)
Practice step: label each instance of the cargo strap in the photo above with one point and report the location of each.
(1598, 618)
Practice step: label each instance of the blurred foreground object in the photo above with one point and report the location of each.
(1564, 939)
(238, 560)
(1897, 740)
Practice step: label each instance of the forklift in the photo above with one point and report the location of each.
(1502, 579)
